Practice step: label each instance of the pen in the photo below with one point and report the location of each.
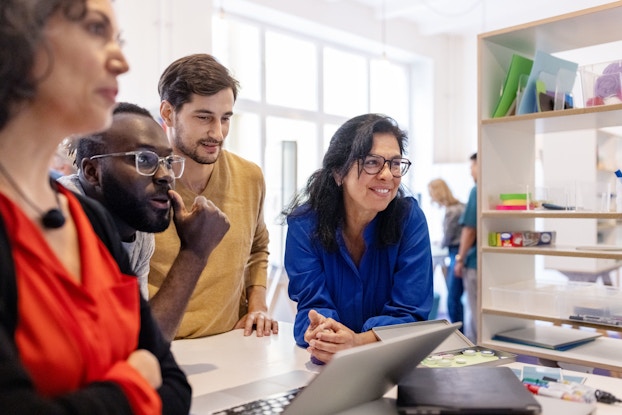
(533, 381)
(553, 393)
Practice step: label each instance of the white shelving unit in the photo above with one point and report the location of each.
(507, 162)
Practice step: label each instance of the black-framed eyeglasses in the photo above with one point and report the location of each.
(147, 162)
(373, 164)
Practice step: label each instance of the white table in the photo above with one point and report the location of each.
(229, 360)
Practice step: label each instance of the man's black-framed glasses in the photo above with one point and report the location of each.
(147, 162)
(373, 164)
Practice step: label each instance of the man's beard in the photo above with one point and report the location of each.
(128, 206)
(190, 151)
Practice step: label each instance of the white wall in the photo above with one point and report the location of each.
(157, 32)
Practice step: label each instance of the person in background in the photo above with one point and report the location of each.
(131, 170)
(466, 259)
(441, 194)
(76, 337)
(198, 94)
(357, 249)
(62, 164)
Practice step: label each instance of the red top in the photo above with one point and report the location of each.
(70, 333)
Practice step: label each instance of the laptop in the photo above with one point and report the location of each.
(353, 377)
(549, 337)
(466, 390)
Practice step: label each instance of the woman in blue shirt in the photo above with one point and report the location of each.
(358, 250)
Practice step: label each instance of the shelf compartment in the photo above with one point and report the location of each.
(529, 297)
(559, 121)
(568, 251)
(558, 300)
(592, 301)
(604, 352)
(555, 320)
(592, 354)
(550, 214)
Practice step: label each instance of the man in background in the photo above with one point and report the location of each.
(197, 95)
(131, 170)
(466, 259)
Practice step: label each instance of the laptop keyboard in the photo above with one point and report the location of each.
(273, 404)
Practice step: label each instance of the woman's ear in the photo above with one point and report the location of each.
(338, 179)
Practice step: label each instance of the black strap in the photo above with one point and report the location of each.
(105, 227)
(8, 288)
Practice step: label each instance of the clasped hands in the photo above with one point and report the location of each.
(327, 336)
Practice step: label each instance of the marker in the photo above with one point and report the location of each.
(537, 382)
(553, 393)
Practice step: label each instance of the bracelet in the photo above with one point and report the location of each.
(458, 258)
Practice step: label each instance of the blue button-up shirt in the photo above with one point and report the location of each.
(392, 285)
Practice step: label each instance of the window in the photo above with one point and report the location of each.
(346, 85)
(291, 72)
(243, 62)
(389, 86)
(247, 140)
(286, 114)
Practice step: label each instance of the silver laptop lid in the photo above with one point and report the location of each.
(366, 373)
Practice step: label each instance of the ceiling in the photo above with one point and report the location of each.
(435, 17)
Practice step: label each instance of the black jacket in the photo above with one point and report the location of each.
(17, 392)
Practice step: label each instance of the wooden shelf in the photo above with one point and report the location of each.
(603, 352)
(543, 213)
(570, 31)
(558, 321)
(559, 121)
(566, 143)
(569, 251)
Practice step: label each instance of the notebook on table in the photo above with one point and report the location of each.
(353, 377)
(466, 390)
(549, 337)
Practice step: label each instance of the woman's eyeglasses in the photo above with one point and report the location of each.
(374, 164)
(147, 162)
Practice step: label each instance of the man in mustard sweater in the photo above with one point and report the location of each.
(197, 95)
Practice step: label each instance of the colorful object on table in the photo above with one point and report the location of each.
(521, 239)
(466, 357)
(567, 390)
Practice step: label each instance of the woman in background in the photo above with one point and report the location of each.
(442, 195)
(358, 250)
(75, 335)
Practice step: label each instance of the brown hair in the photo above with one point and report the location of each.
(21, 33)
(441, 193)
(199, 74)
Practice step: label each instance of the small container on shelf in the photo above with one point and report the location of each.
(601, 83)
(529, 297)
(516, 239)
(515, 201)
(592, 303)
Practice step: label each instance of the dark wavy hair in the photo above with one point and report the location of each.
(21, 34)
(351, 143)
(199, 74)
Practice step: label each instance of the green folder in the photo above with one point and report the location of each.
(518, 66)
